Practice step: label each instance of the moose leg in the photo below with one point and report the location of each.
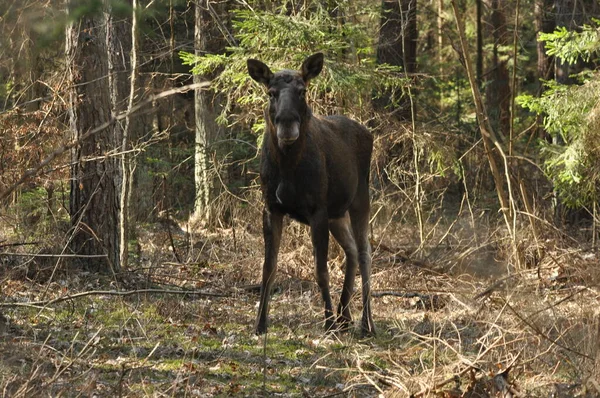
(360, 226)
(341, 229)
(272, 226)
(319, 228)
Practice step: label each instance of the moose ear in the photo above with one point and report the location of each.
(259, 71)
(311, 67)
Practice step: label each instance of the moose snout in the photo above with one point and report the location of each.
(288, 131)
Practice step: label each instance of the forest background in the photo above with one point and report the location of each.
(130, 241)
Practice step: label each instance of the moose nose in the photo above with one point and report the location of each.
(288, 131)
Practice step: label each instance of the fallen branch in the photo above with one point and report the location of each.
(399, 294)
(56, 255)
(493, 287)
(2, 244)
(45, 303)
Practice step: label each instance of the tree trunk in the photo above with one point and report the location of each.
(544, 23)
(596, 371)
(488, 135)
(479, 65)
(207, 39)
(398, 46)
(498, 89)
(120, 42)
(565, 17)
(440, 50)
(95, 174)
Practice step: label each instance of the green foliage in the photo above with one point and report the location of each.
(564, 107)
(348, 82)
(571, 160)
(568, 161)
(570, 46)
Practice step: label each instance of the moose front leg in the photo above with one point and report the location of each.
(272, 227)
(319, 226)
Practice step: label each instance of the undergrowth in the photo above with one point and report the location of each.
(451, 320)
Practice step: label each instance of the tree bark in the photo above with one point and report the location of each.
(207, 39)
(398, 46)
(127, 159)
(498, 88)
(95, 173)
(544, 23)
(479, 65)
(119, 45)
(440, 49)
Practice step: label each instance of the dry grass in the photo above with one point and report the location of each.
(455, 319)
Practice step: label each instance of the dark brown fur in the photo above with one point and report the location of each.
(316, 170)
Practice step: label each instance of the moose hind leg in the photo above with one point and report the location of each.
(320, 239)
(341, 229)
(360, 226)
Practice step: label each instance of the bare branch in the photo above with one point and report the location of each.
(62, 149)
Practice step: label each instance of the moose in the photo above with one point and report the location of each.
(316, 170)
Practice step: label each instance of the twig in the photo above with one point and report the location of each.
(62, 369)
(365, 375)
(112, 293)
(469, 367)
(545, 336)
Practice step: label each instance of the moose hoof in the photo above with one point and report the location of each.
(368, 331)
(260, 329)
(344, 318)
(344, 323)
(330, 326)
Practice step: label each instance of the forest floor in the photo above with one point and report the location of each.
(452, 322)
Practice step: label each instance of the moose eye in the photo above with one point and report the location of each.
(302, 92)
(273, 94)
